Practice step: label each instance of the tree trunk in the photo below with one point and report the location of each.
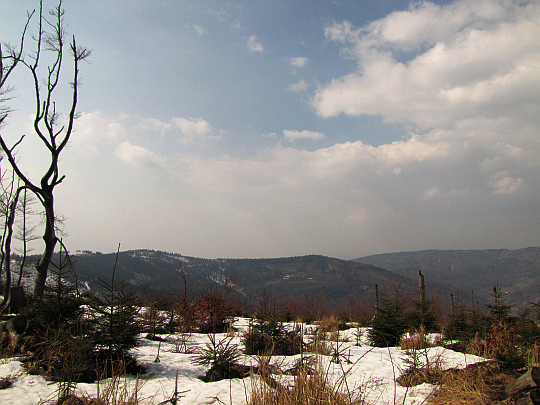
(49, 237)
(526, 383)
(422, 286)
(6, 304)
(17, 299)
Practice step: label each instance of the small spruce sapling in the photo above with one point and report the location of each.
(116, 328)
(221, 356)
(388, 325)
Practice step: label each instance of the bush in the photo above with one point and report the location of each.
(212, 314)
(267, 337)
(222, 357)
(63, 356)
(209, 314)
(501, 345)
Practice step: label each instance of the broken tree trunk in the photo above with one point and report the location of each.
(526, 388)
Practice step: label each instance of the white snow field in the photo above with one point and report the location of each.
(373, 373)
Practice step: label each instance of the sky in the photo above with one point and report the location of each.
(271, 128)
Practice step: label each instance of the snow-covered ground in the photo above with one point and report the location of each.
(373, 371)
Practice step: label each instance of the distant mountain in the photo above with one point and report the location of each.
(517, 272)
(293, 277)
(313, 277)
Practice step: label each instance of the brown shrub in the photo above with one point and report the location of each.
(481, 384)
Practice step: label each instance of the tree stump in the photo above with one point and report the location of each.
(14, 300)
(526, 388)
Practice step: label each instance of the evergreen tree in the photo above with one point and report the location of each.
(499, 309)
(423, 315)
(389, 323)
(115, 326)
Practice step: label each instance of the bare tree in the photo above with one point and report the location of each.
(49, 126)
(25, 232)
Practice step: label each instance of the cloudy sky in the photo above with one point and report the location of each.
(225, 128)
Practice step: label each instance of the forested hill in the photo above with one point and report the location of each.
(517, 272)
(301, 278)
(317, 277)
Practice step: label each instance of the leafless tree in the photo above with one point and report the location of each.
(50, 127)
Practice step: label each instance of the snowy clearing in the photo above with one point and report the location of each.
(371, 372)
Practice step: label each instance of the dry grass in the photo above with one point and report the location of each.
(328, 324)
(421, 367)
(121, 391)
(476, 385)
(417, 341)
(6, 382)
(308, 389)
(321, 347)
(533, 355)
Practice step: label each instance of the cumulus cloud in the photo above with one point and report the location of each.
(340, 165)
(194, 129)
(305, 134)
(299, 62)
(254, 45)
(441, 179)
(299, 86)
(94, 128)
(437, 65)
(135, 155)
(155, 125)
(504, 183)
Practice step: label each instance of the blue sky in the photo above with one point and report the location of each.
(277, 128)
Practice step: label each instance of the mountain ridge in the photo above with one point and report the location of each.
(460, 272)
(515, 271)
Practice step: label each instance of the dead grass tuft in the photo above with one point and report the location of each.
(482, 384)
(312, 389)
(417, 341)
(432, 376)
(533, 355)
(6, 382)
(329, 324)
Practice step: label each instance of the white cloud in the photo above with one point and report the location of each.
(337, 165)
(299, 62)
(135, 155)
(371, 193)
(254, 45)
(194, 128)
(200, 29)
(504, 183)
(93, 129)
(431, 193)
(437, 65)
(304, 134)
(155, 125)
(299, 86)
